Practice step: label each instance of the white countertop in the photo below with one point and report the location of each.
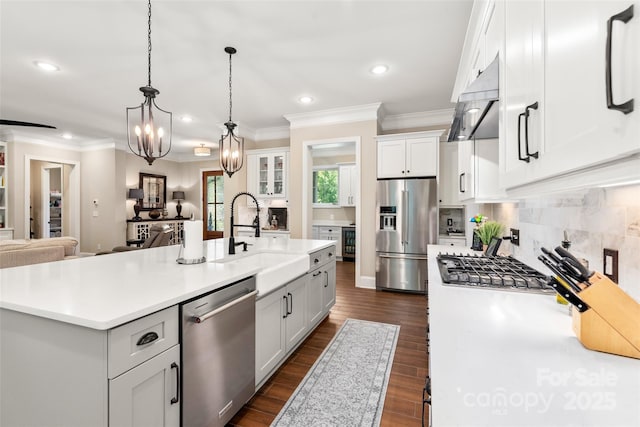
(502, 358)
(105, 291)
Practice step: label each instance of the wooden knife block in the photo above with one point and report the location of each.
(612, 324)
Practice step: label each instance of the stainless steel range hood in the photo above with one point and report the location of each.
(476, 114)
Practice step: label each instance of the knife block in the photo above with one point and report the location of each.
(612, 324)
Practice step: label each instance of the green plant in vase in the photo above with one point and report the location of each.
(488, 230)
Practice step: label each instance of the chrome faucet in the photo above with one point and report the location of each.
(256, 223)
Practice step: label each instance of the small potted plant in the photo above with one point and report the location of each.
(487, 230)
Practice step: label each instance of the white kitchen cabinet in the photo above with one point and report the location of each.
(329, 287)
(522, 97)
(147, 395)
(79, 376)
(408, 155)
(348, 185)
(478, 171)
(281, 323)
(270, 333)
(447, 178)
(272, 173)
(264, 233)
(325, 232)
(315, 300)
(452, 241)
(556, 61)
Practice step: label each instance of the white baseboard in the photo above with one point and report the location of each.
(367, 282)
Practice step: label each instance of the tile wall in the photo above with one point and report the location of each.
(594, 219)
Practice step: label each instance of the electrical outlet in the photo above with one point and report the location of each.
(515, 236)
(610, 264)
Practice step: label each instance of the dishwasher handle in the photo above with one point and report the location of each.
(203, 317)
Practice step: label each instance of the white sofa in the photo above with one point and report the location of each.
(15, 253)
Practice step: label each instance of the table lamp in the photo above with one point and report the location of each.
(178, 195)
(137, 194)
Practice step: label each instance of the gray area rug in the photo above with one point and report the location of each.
(347, 384)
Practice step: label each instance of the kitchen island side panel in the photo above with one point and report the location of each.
(51, 373)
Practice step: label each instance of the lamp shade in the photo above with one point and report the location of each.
(202, 151)
(135, 193)
(178, 195)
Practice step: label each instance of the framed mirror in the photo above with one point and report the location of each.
(154, 188)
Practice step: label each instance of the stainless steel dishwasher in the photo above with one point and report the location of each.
(218, 354)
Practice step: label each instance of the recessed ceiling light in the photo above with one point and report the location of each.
(305, 100)
(186, 119)
(473, 110)
(46, 66)
(67, 135)
(379, 69)
(461, 136)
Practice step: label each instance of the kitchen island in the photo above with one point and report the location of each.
(81, 340)
(502, 358)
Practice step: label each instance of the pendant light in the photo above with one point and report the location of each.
(149, 126)
(231, 146)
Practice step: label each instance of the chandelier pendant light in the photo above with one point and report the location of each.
(149, 127)
(231, 146)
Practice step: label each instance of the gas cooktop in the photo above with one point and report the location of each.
(495, 272)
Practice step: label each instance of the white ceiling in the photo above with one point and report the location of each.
(286, 49)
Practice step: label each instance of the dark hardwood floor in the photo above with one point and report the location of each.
(403, 402)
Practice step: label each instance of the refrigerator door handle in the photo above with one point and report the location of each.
(405, 216)
(414, 257)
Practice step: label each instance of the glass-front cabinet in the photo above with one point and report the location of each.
(272, 175)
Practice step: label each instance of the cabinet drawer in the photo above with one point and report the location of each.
(126, 343)
(321, 257)
(325, 231)
(449, 241)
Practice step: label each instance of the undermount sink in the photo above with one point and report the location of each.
(276, 268)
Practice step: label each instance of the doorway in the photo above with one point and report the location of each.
(213, 206)
(52, 203)
(327, 148)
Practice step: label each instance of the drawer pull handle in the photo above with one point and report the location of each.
(624, 17)
(316, 260)
(176, 399)
(330, 254)
(147, 338)
(317, 274)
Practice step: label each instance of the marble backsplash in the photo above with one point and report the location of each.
(594, 219)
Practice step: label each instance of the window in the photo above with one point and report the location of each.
(325, 186)
(213, 187)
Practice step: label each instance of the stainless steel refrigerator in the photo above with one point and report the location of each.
(407, 221)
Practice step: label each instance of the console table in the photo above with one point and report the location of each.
(139, 230)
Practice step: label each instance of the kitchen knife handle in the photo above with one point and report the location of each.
(568, 294)
(533, 106)
(626, 107)
(574, 262)
(520, 156)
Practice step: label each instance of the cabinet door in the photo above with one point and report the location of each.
(264, 172)
(348, 183)
(329, 289)
(466, 171)
(279, 175)
(391, 157)
(580, 129)
(315, 301)
(252, 174)
(147, 395)
(448, 174)
(524, 86)
(296, 324)
(270, 333)
(421, 157)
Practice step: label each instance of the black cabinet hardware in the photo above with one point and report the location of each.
(624, 16)
(461, 190)
(520, 156)
(289, 311)
(533, 106)
(286, 307)
(176, 399)
(147, 338)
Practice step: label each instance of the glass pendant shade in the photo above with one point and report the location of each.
(231, 150)
(149, 128)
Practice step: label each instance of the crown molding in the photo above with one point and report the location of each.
(356, 113)
(416, 120)
(78, 145)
